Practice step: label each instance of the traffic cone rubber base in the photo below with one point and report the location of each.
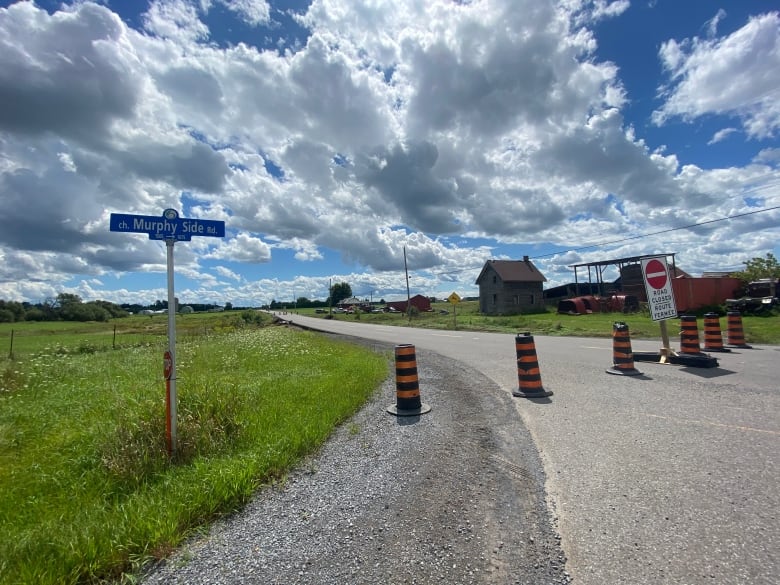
(624, 371)
(539, 394)
(699, 360)
(393, 409)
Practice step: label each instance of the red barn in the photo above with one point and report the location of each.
(422, 303)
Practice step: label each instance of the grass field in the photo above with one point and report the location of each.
(465, 316)
(29, 337)
(88, 490)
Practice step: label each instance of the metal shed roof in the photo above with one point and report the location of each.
(620, 261)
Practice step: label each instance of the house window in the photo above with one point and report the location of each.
(533, 299)
(495, 280)
(517, 299)
(495, 298)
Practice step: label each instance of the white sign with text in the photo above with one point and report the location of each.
(658, 284)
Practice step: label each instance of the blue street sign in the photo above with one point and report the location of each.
(169, 226)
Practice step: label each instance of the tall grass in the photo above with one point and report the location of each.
(27, 338)
(88, 491)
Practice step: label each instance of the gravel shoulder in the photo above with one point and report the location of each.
(452, 496)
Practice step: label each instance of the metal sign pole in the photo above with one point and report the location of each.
(171, 402)
(171, 228)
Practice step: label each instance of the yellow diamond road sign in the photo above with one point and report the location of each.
(454, 298)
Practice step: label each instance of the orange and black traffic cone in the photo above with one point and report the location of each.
(689, 335)
(736, 337)
(407, 386)
(528, 374)
(713, 338)
(622, 356)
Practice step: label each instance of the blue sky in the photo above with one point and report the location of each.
(331, 135)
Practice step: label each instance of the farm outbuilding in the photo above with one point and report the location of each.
(691, 293)
(509, 287)
(350, 302)
(420, 302)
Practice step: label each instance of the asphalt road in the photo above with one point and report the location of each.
(668, 477)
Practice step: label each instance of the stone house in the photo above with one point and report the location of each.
(509, 287)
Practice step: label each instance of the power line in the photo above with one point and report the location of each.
(684, 227)
(460, 270)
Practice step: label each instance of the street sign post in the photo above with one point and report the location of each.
(170, 406)
(660, 297)
(171, 228)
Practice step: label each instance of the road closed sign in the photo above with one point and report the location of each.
(658, 284)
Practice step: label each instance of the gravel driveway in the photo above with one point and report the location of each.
(453, 496)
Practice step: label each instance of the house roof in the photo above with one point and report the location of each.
(351, 301)
(513, 270)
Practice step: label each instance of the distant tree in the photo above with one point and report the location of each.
(16, 309)
(34, 314)
(64, 299)
(50, 309)
(114, 310)
(339, 292)
(84, 312)
(228, 306)
(302, 302)
(758, 268)
(6, 316)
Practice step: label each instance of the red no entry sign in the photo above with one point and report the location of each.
(655, 272)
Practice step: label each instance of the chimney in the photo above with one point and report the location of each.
(525, 259)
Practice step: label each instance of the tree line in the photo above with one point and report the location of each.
(65, 307)
(71, 307)
(338, 292)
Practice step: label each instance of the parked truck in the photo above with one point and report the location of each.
(760, 296)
